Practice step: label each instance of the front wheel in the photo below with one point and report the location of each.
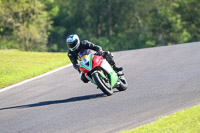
(103, 84)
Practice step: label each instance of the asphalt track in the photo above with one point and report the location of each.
(161, 80)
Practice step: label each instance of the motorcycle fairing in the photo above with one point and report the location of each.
(86, 63)
(90, 61)
(113, 75)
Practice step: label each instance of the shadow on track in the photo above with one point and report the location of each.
(45, 103)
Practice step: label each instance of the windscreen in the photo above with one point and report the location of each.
(84, 52)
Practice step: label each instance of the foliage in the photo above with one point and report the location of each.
(27, 65)
(26, 22)
(42, 25)
(186, 121)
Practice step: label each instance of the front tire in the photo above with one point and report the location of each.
(100, 82)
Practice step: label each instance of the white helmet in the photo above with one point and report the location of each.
(73, 42)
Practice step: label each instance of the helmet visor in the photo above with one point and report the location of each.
(72, 45)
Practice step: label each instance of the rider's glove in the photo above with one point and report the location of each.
(100, 53)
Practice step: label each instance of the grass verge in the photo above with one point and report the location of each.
(16, 66)
(186, 121)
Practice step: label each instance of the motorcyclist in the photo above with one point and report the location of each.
(75, 45)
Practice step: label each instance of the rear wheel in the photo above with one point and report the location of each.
(103, 84)
(123, 83)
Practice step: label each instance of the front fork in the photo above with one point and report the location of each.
(102, 75)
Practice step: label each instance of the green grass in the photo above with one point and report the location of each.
(16, 66)
(186, 121)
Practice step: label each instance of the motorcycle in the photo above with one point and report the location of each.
(99, 71)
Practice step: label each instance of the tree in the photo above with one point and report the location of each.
(27, 22)
(113, 24)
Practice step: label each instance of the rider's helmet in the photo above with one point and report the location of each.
(73, 42)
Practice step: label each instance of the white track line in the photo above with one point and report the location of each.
(34, 78)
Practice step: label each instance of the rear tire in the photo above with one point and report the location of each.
(123, 84)
(100, 83)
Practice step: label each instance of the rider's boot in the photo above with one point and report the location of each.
(109, 58)
(117, 69)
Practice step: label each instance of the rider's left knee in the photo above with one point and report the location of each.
(84, 79)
